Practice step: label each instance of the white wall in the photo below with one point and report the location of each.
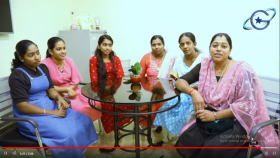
(36, 20)
(132, 23)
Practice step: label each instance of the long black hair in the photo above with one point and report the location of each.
(191, 36)
(21, 48)
(100, 63)
(51, 44)
(228, 39)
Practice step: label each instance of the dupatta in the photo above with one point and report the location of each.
(241, 91)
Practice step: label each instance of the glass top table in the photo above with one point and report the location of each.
(120, 92)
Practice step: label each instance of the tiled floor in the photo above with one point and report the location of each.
(108, 141)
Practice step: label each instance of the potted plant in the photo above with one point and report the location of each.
(136, 70)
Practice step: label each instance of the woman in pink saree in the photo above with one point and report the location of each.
(231, 88)
(66, 77)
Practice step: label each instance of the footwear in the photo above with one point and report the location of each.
(158, 129)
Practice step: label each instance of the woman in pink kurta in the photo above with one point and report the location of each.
(66, 77)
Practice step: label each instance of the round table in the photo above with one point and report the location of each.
(120, 91)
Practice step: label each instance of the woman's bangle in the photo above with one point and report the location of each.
(190, 92)
(44, 111)
(192, 86)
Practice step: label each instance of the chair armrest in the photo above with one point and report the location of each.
(14, 119)
(257, 127)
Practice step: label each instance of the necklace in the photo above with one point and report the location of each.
(222, 75)
(60, 68)
(219, 71)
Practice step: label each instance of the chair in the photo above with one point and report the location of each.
(11, 137)
(252, 134)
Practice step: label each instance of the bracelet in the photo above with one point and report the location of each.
(215, 116)
(190, 92)
(44, 111)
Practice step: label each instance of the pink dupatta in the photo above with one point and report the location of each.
(240, 90)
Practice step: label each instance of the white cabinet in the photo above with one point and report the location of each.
(80, 46)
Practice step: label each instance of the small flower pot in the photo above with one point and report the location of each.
(135, 78)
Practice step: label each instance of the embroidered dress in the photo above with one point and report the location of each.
(73, 130)
(174, 120)
(151, 66)
(69, 75)
(154, 68)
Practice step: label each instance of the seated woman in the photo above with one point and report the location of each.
(106, 90)
(59, 126)
(151, 64)
(106, 65)
(66, 77)
(229, 101)
(174, 120)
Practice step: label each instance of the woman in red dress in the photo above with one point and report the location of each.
(105, 65)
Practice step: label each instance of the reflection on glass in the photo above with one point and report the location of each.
(106, 89)
(158, 93)
(136, 94)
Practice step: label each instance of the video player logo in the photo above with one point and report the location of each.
(259, 20)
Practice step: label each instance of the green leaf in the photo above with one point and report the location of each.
(133, 71)
(137, 68)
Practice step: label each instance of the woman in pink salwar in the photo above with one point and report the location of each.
(66, 77)
(232, 89)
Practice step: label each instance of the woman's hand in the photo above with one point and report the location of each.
(195, 86)
(71, 93)
(205, 115)
(171, 79)
(198, 101)
(62, 104)
(59, 112)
